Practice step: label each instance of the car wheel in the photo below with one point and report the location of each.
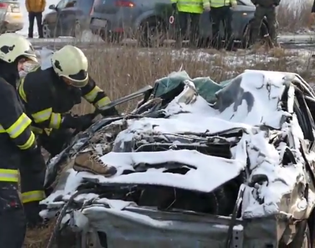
(76, 31)
(152, 33)
(47, 32)
(247, 35)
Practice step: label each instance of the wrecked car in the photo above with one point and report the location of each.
(233, 170)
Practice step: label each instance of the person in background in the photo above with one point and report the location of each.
(265, 8)
(220, 11)
(189, 11)
(35, 9)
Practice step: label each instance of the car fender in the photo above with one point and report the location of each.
(240, 26)
(145, 16)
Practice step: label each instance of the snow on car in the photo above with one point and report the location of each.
(196, 164)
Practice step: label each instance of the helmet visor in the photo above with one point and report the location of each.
(79, 79)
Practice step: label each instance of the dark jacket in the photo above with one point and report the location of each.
(266, 3)
(16, 137)
(47, 97)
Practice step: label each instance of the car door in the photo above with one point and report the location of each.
(52, 19)
(66, 17)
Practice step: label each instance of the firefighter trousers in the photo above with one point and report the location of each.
(32, 185)
(12, 218)
(184, 20)
(217, 16)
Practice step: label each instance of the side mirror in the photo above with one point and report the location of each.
(52, 7)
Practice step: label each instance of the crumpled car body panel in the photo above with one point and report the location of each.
(249, 156)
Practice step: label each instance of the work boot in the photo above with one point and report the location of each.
(90, 162)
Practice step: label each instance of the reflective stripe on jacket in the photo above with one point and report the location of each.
(191, 6)
(46, 97)
(221, 3)
(8, 175)
(33, 196)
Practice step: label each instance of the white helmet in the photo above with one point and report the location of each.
(13, 46)
(70, 62)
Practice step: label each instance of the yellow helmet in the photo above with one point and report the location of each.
(70, 62)
(13, 46)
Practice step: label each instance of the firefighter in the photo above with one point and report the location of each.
(221, 13)
(265, 8)
(189, 11)
(49, 94)
(16, 138)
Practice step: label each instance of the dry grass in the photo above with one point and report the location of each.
(294, 20)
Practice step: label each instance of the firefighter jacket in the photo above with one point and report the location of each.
(222, 3)
(47, 97)
(16, 136)
(266, 3)
(36, 6)
(191, 6)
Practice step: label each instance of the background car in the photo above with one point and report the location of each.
(67, 18)
(149, 21)
(11, 16)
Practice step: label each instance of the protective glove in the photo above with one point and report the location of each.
(174, 6)
(77, 122)
(110, 112)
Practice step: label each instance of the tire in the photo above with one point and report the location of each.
(247, 35)
(47, 32)
(76, 30)
(152, 33)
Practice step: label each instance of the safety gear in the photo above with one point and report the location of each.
(55, 141)
(222, 3)
(28, 66)
(77, 122)
(191, 6)
(71, 63)
(13, 46)
(15, 137)
(32, 183)
(46, 97)
(12, 218)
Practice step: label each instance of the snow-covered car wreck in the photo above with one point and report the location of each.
(181, 170)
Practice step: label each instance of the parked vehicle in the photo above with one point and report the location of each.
(11, 16)
(149, 21)
(67, 18)
(196, 164)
